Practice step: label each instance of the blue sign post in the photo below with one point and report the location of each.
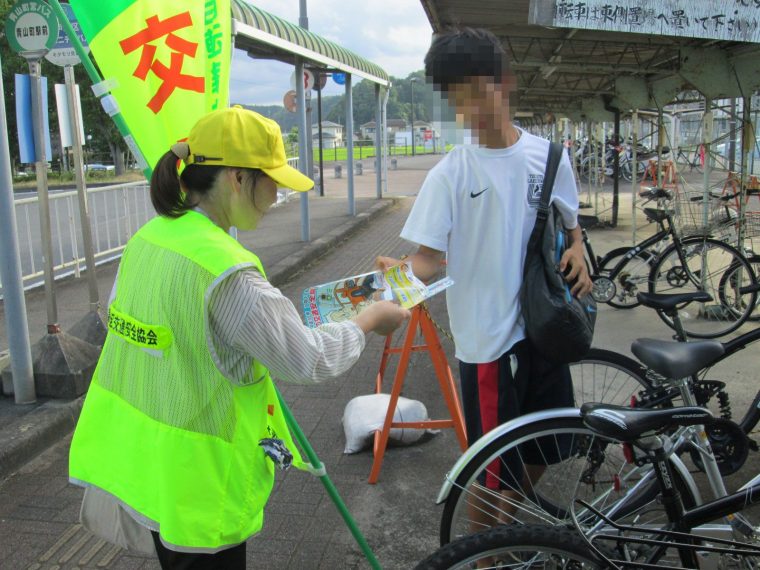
(25, 118)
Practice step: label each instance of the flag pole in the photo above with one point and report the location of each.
(106, 99)
(318, 469)
(317, 465)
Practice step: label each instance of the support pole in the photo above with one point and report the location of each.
(84, 212)
(385, 138)
(379, 159)
(616, 170)
(310, 135)
(660, 144)
(11, 276)
(748, 144)
(42, 195)
(707, 130)
(350, 146)
(318, 79)
(303, 162)
(634, 169)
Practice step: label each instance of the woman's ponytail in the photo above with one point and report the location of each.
(165, 192)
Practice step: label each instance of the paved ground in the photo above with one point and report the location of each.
(39, 509)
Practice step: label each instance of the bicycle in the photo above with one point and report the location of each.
(466, 488)
(608, 542)
(694, 160)
(696, 262)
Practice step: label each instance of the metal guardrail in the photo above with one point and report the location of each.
(116, 212)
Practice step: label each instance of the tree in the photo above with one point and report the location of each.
(399, 101)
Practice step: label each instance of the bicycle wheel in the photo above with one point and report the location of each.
(632, 277)
(564, 461)
(735, 278)
(607, 377)
(516, 546)
(591, 171)
(706, 261)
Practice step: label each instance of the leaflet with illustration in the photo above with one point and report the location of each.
(343, 299)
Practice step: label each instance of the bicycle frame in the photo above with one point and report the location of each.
(682, 523)
(636, 249)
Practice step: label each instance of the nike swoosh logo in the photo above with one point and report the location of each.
(476, 194)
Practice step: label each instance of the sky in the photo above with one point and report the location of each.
(394, 34)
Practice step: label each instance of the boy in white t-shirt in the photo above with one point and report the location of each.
(477, 207)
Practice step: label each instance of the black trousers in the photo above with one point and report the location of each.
(228, 559)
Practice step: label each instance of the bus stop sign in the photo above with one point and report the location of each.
(31, 28)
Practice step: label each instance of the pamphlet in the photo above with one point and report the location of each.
(343, 299)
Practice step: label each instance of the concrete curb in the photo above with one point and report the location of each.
(36, 431)
(44, 426)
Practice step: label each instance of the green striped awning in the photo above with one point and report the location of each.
(284, 38)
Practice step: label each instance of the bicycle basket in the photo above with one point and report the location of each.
(752, 224)
(694, 216)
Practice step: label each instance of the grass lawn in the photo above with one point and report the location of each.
(340, 153)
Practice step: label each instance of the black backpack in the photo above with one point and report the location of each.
(558, 325)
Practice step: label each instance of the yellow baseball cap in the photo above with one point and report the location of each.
(246, 139)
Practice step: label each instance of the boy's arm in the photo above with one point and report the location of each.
(426, 263)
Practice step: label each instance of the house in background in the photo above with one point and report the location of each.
(393, 125)
(332, 134)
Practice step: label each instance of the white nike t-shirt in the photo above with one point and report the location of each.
(479, 206)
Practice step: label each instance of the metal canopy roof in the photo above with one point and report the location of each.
(267, 36)
(573, 72)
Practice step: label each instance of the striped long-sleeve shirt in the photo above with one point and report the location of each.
(249, 319)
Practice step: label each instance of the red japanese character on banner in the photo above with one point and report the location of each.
(172, 76)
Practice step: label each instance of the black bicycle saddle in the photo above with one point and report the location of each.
(669, 301)
(676, 360)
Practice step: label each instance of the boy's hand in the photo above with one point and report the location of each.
(573, 266)
(385, 263)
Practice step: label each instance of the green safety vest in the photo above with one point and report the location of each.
(162, 429)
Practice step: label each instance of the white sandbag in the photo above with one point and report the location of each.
(364, 415)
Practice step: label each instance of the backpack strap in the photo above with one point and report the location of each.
(552, 164)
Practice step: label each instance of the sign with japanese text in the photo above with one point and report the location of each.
(31, 27)
(167, 62)
(63, 52)
(732, 20)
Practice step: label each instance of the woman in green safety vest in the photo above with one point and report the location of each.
(181, 429)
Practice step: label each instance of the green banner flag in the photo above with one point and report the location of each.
(166, 63)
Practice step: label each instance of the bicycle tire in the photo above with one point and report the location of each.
(627, 281)
(516, 543)
(593, 469)
(728, 282)
(608, 377)
(703, 320)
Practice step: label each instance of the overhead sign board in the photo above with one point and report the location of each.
(730, 20)
(63, 53)
(31, 27)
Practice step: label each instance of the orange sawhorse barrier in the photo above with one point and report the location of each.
(669, 177)
(419, 320)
